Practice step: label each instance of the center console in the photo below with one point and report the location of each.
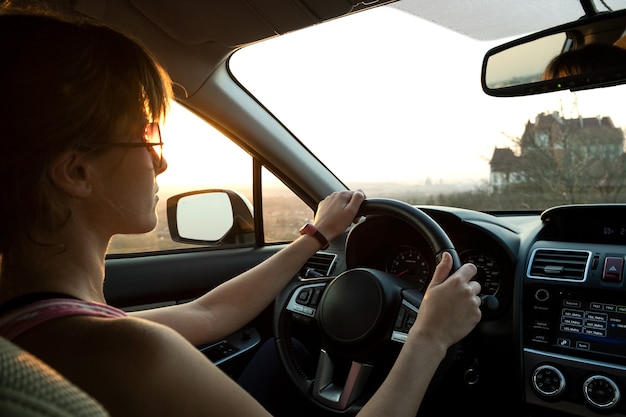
(574, 328)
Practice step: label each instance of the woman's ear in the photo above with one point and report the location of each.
(70, 172)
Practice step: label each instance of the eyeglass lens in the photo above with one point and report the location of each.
(152, 135)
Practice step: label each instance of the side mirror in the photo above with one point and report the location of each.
(584, 54)
(210, 217)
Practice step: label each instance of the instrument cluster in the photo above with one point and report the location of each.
(391, 245)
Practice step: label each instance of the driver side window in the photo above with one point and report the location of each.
(200, 157)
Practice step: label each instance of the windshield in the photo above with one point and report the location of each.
(399, 112)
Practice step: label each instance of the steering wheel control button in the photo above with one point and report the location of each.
(304, 310)
(613, 267)
(315, 297)
(305, 300)
(404, 321)
(304, 296)
(548, 381)
(410, 320)
(601, 392)
(400, 318)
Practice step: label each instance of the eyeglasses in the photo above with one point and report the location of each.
(151, 141)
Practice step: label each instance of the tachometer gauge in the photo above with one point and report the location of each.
(489, 273)
(409, 263)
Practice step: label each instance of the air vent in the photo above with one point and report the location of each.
(567, 265)
(319, 265)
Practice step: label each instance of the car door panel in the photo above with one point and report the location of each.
(132, 282)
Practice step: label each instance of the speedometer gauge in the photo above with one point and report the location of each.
(409, 263)
(489, 273)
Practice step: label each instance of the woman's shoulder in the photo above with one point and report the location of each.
(119, 360)
(81, 346)
(123, 337)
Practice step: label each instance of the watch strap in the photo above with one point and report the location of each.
(309, 229)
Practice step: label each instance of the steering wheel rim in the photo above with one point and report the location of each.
(434, 235)
(320, 390)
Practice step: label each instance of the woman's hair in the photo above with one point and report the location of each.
(590, 58)
(64, 85)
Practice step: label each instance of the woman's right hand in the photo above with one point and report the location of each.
(451, 305)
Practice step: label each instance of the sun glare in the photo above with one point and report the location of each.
(199, 155)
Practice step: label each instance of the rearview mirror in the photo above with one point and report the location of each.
(210, 217)
(588, 53)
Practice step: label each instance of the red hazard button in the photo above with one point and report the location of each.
(612, 269)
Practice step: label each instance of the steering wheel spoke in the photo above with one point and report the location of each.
(336, 396)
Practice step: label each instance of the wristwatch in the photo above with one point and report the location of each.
(309, 229)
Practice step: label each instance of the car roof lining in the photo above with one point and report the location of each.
(233, 23)
(214, 29)
(240, 22)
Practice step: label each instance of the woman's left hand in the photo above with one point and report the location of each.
(337, 211)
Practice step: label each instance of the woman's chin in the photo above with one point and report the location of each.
(146, 225)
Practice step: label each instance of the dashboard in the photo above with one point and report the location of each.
(559, 281)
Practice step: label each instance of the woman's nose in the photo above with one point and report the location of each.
(160, 168)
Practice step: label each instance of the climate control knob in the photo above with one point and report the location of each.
(548, 381)
(601, 392)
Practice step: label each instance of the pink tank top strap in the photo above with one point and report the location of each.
(24, 318)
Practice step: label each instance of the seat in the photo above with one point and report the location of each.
(30, 388)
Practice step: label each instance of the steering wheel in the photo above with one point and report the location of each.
(361, 314)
